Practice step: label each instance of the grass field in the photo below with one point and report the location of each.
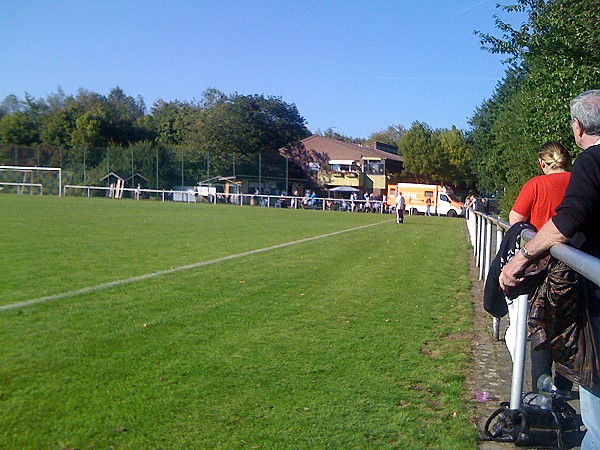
(357, 339)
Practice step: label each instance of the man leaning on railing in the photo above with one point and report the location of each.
(577, 220)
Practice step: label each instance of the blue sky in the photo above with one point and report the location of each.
(356, 66)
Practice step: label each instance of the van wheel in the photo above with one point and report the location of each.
(452, 213)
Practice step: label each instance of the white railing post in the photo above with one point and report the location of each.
(481, 246)
(476, 246)
(471, 221)
(488, 248)
(496, 320)
(519, 361)
(477, 236)
(499, 237)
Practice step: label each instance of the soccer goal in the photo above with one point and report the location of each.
(31, 180)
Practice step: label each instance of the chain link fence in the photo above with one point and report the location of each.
(152, 167)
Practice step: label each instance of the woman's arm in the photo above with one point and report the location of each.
(515, 217)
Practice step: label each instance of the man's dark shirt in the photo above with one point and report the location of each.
(578, 215)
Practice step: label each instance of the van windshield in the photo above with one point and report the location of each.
(453, 198)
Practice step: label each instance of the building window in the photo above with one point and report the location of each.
(341, 167)
(375, 167)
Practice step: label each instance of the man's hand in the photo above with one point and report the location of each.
(512, 272)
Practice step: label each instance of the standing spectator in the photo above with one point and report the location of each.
(399, 208)
(428, 204)
(577, 220)
(468, 204)
(535, 204)
(485, 206)
(306, 199)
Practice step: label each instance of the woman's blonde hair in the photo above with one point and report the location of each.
(555, 155)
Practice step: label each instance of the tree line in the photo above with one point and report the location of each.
(550, 57)
(115, 132)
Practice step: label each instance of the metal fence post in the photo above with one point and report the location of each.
(481, 247)
(519, 362)
(476, 249)
(499, 237)
(488, 248)
(496, 321)
(471, 221)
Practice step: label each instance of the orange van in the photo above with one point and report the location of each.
(415, 196)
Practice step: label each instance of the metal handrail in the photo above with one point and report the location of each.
(583, 263)
(479, 226)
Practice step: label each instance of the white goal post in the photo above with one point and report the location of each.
(24, 176)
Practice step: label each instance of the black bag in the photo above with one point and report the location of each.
(532, 426)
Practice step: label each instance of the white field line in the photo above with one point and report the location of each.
(148, 276)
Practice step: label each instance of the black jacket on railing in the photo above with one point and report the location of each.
(494, 301)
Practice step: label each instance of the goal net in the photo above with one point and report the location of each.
(31, 180)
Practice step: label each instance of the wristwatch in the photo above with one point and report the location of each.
(525, 253)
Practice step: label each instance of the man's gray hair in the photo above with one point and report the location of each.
(586, 108)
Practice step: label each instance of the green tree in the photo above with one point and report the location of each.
(19, 128)
(10, 104)
(172, 122)
(124, 117)
(391, 135)
(57, 100)
(331, 134)
(59, 125)
(438, 156)
(242, 126)
(456, 151)
(488, 163)
(554, 52)
(417, 148)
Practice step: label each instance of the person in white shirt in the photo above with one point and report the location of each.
(400, 208)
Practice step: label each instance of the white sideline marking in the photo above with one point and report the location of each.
(148, 276)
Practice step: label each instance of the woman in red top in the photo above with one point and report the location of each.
(536, 204)
(541, 195)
